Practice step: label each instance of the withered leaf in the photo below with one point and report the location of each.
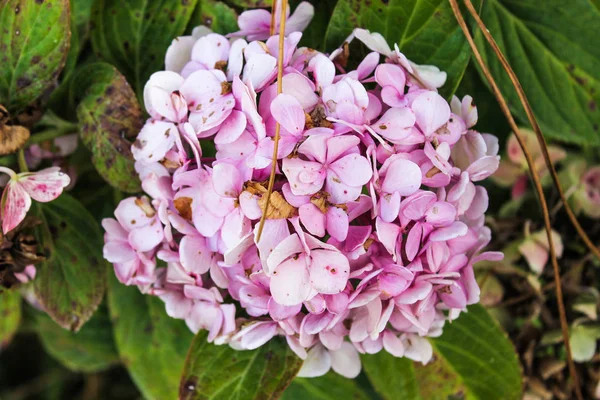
(12, 138)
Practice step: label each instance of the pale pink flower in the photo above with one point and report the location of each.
(43, 186)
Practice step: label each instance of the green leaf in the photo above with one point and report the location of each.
(328, 387)
(134, 35)
(425, 30)
(90, 350)
(216, 15)
(33, 47)
(10, 315)
(392, 377)
(551, 45)
(152, 345)
(477, 349)
(219, 372)
(473, 359)
(108, 115)
(314, 34)
(70, 283)
(437, 380)
(251, 3)
(81, 11)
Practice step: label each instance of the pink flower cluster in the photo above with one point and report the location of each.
(375, 222)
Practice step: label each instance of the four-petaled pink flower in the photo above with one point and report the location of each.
(43, 186)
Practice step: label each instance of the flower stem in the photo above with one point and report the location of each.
(21, 159)
(46, 135)
(261, 225)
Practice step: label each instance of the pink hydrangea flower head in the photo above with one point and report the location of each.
(375, 221)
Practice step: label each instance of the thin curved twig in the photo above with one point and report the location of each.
(538, 186)
(536, 127)
(261, 224)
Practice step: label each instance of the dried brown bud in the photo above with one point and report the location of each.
(279, 208)
(18, 249)
(12, 138)
(184, 206)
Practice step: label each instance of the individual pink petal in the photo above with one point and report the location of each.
(148, 237)
(535, 254)
(131, 213)
(313, 219)
(317, 363)
(302, 89)
(195, 255)
(118, 252)
(205, 222)
(440, 213)
(232, 128)
(255, 24)
(391, 75)
(389, 206)
(157, 93)
(413, 241)
(395, 124)
(179, 53)
(290, 282)
(305, 177)
(340, 192)
(393, 344)
(353, 170)
(323, 70)
(286, 110)
(456, 229)
(261, 333)
(280, 313)
(402, 176)
(337, 223)
(226, 179)
(210, 49)
(154, 141)
(329, 271)
(431, 112)
(415, 206)
(276, 244)
(418, 348)
(367, 65)
(346, 361)
(300, 18)
(339, 146)
(259, 70)
(45, 185)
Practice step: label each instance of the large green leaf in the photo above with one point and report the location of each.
(479, 351)
(219, 372)
(134, 35)
(425, 30)
(328, 387)
(89, 350)
(34, 42)
(10, 315)
(152, 345)
(216, 15)
(392, 377)
(70, 283)
(109, 115)
(552, 46)
(81, 11)
(473, 359)
(314, 34)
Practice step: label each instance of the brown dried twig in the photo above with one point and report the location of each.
(536, 128)
(284, 4)
(536, 180)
